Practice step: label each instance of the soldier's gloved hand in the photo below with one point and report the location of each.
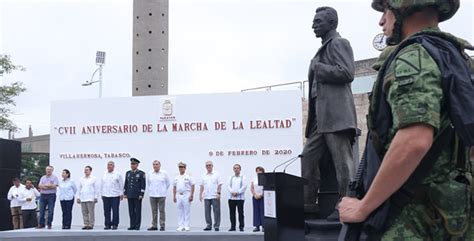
(95, 200)
(140, 197)
(191, 198)
(174, 199)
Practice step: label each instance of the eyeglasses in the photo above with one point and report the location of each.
(208, 165)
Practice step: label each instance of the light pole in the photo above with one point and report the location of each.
(100, 61)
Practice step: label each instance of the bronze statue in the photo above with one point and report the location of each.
(332, 121)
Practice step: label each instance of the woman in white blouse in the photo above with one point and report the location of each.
(67, 190)
(257, 200)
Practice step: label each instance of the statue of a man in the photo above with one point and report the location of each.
(332, 120)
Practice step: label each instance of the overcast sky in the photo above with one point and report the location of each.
(215, 46)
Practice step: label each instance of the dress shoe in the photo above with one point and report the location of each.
(85, 228)
(152, 229)
(162, 228)
(207, 229)
(107, 228)
(49, 226)
(231, 229)
(131, 228)
(90, 228)
(241, 229)
(333, 217)
(186, 229)
(67, 227)
(180, 229)
(216, 229)
(137, 228)
(256, 229)
(40, 226)
(114, 227)
(64, 227)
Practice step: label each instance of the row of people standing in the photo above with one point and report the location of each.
(23, 204)
(113, 189)
(23, 201)
(209, 193)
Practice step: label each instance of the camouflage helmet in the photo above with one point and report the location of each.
(446, 8)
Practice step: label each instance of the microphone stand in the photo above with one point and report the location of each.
(285, 162)
(291, 162)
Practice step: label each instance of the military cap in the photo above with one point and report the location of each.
(134, 160)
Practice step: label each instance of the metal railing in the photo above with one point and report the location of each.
(299, 85)
(302, 85)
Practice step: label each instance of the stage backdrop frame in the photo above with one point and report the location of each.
(252, 129)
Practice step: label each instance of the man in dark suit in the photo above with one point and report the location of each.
(134, 192)
(332, 120)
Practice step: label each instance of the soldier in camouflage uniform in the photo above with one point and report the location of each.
(412, 87)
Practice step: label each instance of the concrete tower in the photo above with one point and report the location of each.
(150, 47)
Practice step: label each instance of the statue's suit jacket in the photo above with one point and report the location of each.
(331, 104)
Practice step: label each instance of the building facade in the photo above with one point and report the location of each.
(150, 47)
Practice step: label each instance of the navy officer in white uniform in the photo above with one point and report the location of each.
(183, 192)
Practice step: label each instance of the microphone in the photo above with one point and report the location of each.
(299, 156)
(289, 160)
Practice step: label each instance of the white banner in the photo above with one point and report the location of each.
(252, 129)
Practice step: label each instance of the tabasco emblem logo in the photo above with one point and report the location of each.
(167, 111)
(167, 108)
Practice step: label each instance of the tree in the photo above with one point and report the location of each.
(8, 92)
(33, 166)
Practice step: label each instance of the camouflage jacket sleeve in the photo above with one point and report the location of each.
(413, 87)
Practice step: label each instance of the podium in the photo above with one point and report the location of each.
(284, 206)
